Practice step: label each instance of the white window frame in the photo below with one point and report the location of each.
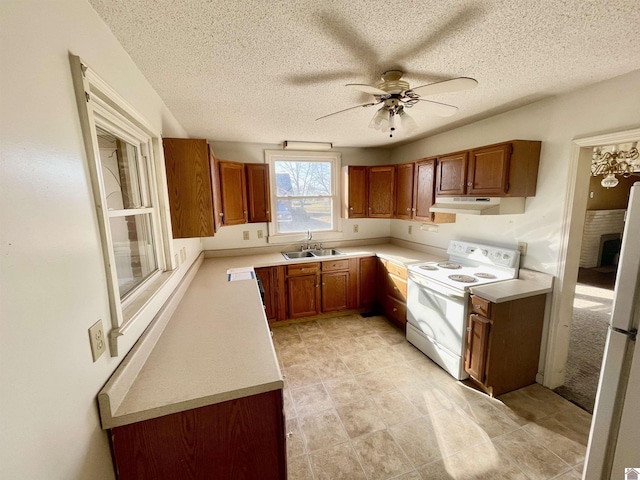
(100, 106)
(335, 158)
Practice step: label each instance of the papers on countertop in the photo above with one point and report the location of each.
(243, 273)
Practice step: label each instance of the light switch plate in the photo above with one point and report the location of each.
(245, 235)
(259, 233)
(97, 340)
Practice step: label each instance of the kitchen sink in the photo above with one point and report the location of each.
(325, 252)
(293, 255)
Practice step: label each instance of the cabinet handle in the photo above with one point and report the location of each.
(395, 309)
(469, 184)
(221, 214)
(408, 209)
(267, 212)
(350, 208)
(289, 434)
(468, 329)
(395, 288)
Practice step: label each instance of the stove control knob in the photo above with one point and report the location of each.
(484, 252)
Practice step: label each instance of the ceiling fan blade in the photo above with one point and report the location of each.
(366, 88)
(350, 108)
(453, 85)
(439, 109)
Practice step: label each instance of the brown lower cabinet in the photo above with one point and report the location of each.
(243, 439)
(503, 343)
(392, 291)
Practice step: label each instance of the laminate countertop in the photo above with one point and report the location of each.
(529, 283)
(215, 347)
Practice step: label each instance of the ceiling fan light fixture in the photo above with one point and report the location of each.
(379, 119)
(407, 123)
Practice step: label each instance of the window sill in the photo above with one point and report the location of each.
(138, 307)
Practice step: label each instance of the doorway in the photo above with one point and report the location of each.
(586, 277)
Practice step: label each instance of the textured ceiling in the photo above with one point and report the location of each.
(263, 71)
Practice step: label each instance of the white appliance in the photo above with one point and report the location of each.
(438, 296)
(614, 440)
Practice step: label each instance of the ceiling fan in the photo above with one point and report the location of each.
(395, 96)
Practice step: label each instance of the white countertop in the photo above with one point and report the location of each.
(215, 347)
(528, 284)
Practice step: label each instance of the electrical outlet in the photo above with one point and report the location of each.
(177, 261)
(183, 254)
(355, 228)
(259, 233)
(245, 235)
(410, 229)
(97, 340)
(522, 246)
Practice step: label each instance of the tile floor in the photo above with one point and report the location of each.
(363, 403)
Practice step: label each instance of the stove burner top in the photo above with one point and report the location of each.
(485, 275)
(463, 278)
(428, 267)
(449, 265)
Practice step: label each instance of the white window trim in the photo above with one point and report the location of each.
(271, 156)
(100, 105)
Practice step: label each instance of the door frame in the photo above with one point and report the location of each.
(575, 206)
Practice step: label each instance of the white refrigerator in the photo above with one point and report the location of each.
(614, 440)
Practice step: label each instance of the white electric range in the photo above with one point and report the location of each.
(438, 296)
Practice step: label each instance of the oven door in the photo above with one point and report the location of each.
(439, 312)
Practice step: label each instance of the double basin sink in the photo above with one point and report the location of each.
(324, 252)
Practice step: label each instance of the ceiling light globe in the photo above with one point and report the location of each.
(609, 181)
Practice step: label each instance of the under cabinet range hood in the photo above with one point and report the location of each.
(479, 205)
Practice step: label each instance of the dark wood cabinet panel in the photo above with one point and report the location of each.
(335, 291)
(303, 295)
(392, 291)
(232, 192)
(451, 177)
(381, 187)
(503, 343)
(190, 189)
(242, 439)
(405, 191)
(477, 343)
(367, 276)
(424, 194)
(488, 172)
(258, 192)
(354, 186)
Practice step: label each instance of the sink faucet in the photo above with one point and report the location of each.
(309, 237)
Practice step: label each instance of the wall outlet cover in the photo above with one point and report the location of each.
(259, 233)
(522, 246)
(355, 228)
(245, 235)
(97, 340)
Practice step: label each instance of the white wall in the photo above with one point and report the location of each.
(232, 236)
(52, 277)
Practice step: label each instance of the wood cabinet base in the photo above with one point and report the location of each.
(237, 439)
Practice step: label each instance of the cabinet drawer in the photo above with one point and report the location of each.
(303, 269)
(397, 287)
(396, 310)
(481, 306)
(333, 265)
(398, 270)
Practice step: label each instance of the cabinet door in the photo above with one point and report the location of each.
(381, 191)
(404, 191)
(367, 281)
(424, 195)
(488, 172)
(304, 296)
(266, 276)
(335, 291)
(233, 193)
(189, 187)
(451, 176)
(355, 195)
(478, 332)
(258, 193)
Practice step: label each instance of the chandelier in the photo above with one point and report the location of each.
(615, 162)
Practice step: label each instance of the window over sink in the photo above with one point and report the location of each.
(304, 190)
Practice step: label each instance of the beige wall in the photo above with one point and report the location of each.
(52, 280)
(601, 198)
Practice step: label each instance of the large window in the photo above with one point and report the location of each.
(122, 153)
(304, 191)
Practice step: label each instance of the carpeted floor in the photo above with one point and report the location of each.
(591, 312)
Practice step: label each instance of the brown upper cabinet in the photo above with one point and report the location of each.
(451, 175)
(354, 191)
(233, 195)
(507, 169)
(258, 193)
(190, 184)
(424, 195)
(381, 188)
(405, 191)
